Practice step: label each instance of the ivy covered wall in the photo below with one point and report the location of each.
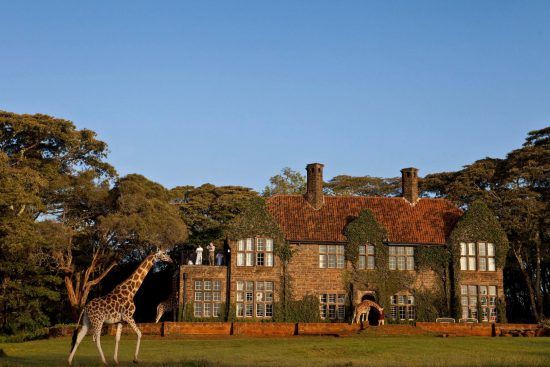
(478, 224)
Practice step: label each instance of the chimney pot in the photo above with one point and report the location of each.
(314, 193)
(409, 184)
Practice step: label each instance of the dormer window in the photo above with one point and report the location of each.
(477, 256)
(255, 252)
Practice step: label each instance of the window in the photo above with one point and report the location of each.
(485, 296)
(366, 257)
(402, 307)
(255, 252)
(254, 299)
(477, 256)
(331, 256)
(207, 298)
(401, 258)
(332, 306)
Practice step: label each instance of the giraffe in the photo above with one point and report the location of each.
(171, 303)
(115, 308)
(164, 307)
(363, 309)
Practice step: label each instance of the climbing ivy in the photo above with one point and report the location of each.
(363, 230)
(478, 224)
(254, 220)
(434, 302)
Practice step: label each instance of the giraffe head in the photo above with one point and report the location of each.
(161, 255)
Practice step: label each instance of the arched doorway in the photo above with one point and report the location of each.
(369, 297)
(374, 314)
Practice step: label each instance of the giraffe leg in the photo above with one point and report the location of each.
(80, 336)
(117, 339)
(134, 327)
(97, 334)
(160, 312)
(367, 316)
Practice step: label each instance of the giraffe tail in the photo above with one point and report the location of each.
(75, 332)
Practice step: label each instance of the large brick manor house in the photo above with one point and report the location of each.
(314, 225)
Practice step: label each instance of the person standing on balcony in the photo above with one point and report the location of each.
(211, 251)
(219, 258)
(198, 260)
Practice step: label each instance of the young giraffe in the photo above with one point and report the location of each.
(169, 304)
(115, 308)
(164, 307)
(364, 309)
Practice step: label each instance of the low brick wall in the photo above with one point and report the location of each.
(457, 329)
(149, 328)
(322, 328)
(197, 328)
(264, 329)
(325, 328)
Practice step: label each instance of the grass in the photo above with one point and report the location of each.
(357, 350)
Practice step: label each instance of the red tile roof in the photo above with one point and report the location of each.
(430, 221)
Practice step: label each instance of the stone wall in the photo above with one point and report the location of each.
(190, 273)
(306, 276)
(323, 328)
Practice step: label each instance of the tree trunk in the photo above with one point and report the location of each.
(538, 280)
(528, 282)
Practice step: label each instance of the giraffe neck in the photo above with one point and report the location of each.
(133, 282)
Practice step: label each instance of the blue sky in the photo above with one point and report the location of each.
(229, 92)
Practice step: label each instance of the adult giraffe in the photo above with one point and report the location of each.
(363, 308)
(115, 308)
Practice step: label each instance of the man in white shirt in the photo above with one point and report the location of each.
(198, 260)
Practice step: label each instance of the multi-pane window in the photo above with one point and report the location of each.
(401, 258)
(255, 252)
(332, 306)
(207, 298)
(331, 256)
(402, 307)
(366, 257)
(254, 299)
(485, 296)
(477, 256)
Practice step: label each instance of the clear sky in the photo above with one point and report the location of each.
(229, 92)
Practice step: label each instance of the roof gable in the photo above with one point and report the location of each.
(429, 221)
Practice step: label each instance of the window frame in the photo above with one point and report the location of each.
(332, 305)
(484, 305)
(402, 307)
(207, 296)
(401, 256)
(331, 255)
(255, 251)
(477, 256)
(253, 296)
(366, 258)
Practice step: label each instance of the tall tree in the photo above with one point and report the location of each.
(39, 157)
(363, 186)
(517, 189)
(135, 215)
(207, 209)
(286, 182)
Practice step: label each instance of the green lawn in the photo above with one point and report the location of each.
(357, 350)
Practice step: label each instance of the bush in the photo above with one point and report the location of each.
(42, 333)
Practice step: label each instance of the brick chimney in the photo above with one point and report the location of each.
(314, 193)
(409, 184)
